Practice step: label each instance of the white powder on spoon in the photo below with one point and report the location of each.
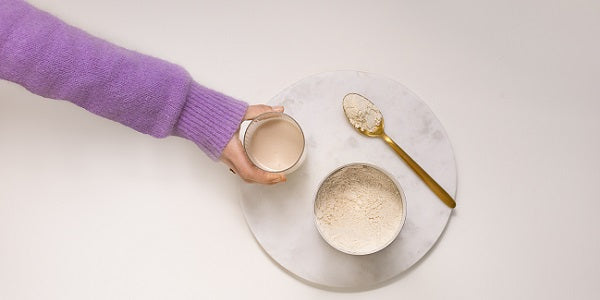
(361, 112)
(358, 209)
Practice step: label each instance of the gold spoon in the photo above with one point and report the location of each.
(368, 120)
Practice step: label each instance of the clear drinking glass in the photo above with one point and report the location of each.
(274, 142)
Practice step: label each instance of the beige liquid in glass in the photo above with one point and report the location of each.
(276, 145)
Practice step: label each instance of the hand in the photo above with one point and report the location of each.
(235, 157)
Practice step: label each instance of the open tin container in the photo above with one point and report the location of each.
(328, 208)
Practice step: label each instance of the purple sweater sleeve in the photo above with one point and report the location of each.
(55, 60)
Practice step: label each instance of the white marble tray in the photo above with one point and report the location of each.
(281, 216)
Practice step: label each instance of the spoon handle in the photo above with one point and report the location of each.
(434, 186)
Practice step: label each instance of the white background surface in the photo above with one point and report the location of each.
(90, 209)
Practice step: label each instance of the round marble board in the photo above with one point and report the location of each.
(281, 216)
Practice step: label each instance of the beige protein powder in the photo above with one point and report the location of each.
(359, 209)
(361, 112)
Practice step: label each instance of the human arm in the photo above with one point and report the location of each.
(55, 60)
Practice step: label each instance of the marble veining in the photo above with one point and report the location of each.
(281, 217)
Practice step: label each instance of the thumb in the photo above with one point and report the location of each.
(255, 110)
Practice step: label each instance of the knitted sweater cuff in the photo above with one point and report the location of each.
(209, 119)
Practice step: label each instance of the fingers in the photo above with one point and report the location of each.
(235, 157)
(250, 173)
(255, 110)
